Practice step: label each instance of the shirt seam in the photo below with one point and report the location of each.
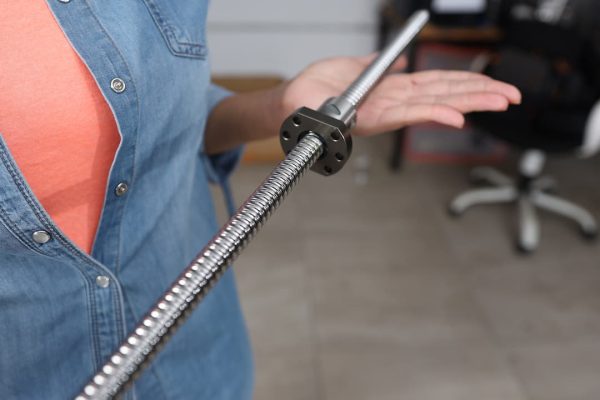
(15, 178)
(166, 30)
(118, 298)
(135, 133)
(47, 224)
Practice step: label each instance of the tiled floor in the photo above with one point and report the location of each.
(372, 292)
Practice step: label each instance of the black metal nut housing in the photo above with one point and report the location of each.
(333, 133)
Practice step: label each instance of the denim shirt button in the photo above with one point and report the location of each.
(41, 237)
(117, 85)
(64, 1)
(121, 189)
(102, 281)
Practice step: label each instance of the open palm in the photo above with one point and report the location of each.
(401, 99)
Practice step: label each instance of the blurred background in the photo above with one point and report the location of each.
(440, 264)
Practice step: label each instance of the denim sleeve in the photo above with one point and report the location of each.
(220, 166)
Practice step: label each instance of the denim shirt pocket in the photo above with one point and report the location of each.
(182, 25)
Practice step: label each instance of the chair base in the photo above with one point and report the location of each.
(530, 192)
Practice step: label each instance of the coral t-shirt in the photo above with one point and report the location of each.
(54, 119)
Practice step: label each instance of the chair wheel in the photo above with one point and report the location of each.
(590, 234)
(453, 211)
(524, 249)
(475, 180)
(551, 190)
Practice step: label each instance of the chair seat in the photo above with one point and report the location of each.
(556, 103)
(555, 131)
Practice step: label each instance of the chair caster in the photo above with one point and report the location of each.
(454, 211)
(551, 190)
(476, 180)
(589, 233)
(524, 249)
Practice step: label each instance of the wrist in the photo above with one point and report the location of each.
(278, 108)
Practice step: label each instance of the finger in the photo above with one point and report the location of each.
(399, 65)
(436, 75)
(399, 116)
(469, 102)
(445, 87)
(408, 84)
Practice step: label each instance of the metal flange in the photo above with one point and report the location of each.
(333, 133)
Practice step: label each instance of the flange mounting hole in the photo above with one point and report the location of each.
(328, 170)
(296, 120)
(285, 135)
(339, 156)
(335, 136)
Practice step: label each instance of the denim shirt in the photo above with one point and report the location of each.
(63, 312)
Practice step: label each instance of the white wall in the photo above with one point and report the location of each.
(282, 36)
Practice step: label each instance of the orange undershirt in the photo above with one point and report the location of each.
(55, 121)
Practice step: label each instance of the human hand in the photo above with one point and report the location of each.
(400, 99)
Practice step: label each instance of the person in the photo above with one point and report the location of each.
(111, 133)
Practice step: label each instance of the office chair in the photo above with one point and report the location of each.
(560, 113)
(448, 12)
